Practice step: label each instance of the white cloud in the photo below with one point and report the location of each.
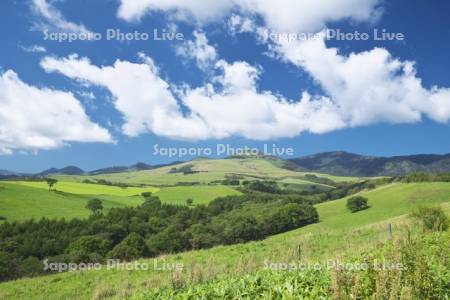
(371, 86)
(235, 109)
(34, 118)
(360, 89)
(240, 24)
(237, 77)
(53, 18)
(308, 15)
(34, 49)
(204, 54)
(199, 10)
(143, 98)
(281, 15)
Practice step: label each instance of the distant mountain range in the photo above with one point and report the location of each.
(69, 170)
(4, 174)
(348, 164)
(335, 163)
(73, 170)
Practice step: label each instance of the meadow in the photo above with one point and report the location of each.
(22, 200)
(207, 171)
(339, 234)
(79, 188)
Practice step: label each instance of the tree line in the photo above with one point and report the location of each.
(151, 229)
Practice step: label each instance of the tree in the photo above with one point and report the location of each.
(51, 182)
(132, 247)
(202, 236)
(146, 195)
(291, 216)
(189, 202)
(88, 248)
(358, 203)
(94, 205)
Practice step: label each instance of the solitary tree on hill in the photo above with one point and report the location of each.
(357, 203)
(95, 205)
(51, 183)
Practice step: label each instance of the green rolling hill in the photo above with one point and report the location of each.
(207, 171)
(339, 233)
(23, 200)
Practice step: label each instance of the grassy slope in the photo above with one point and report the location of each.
(18, 202)
(24, 200)
(210, 170)
(339, 233)
(200, 194)
(89, 189)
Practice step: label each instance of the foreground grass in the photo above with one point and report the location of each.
(339, 234)
(405, 268)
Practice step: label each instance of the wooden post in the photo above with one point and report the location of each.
(389, 228)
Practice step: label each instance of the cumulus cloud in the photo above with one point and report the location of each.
(204, 54)
(371, 86)
(282, 15)
(308, 15)
(54, 19)
(143, 98)
(199, 10)
(239, 24)
(34, 118)
(230, 105)
(359, 89)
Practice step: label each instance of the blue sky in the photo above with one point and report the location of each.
(100, 103)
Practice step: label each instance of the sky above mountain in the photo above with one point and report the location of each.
(100, 83)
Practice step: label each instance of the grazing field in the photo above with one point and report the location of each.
(339, 234)
(206, 171)
(199, 194)
(88, 188)
(21, 202)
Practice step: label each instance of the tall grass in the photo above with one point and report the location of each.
(407, 268)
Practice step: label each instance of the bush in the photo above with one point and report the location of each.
(432, 218)
(358, 203)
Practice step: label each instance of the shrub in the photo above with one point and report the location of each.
(432, 218)
(358, 203)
